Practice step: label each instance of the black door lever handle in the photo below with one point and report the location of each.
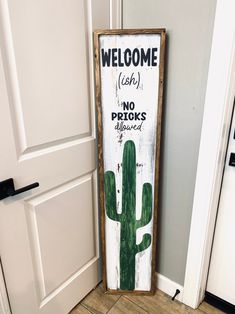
(232, 160)
(7, 188)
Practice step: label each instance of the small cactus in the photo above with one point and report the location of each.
(127, 219)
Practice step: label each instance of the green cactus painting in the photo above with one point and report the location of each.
(127, 218)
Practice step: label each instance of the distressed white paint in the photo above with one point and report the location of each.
(145, 99)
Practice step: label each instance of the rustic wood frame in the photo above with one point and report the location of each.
(97, 33)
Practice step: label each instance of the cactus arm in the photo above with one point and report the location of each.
(145, 243)
(110, 196)
(146, 215)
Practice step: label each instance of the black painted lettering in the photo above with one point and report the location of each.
(143, 116)
(145, 56)
(154, 57)
(135, 57)
(114, 57)
(127, 57)
(105, 56)
(132, 105)
(120, 115)
(128, 105)
(120, 63)
(114, 115)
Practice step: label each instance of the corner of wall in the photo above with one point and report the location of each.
(169, 287)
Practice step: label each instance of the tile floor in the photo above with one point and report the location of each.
(99, 303)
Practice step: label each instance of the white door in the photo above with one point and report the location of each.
(221, 280)
(48, 235)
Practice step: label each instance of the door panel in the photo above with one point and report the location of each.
(58, 228)
(49, 235)
(50, 49)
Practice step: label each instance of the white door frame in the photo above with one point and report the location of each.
(214, 135)
(115, 21)
(4, 303)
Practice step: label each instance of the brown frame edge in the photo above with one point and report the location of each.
(97, 33)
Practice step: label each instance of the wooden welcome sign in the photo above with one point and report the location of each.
(129, 88)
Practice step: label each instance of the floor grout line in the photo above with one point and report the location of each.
(113, 304)
(126, 297)
(89, 310)
(80, 304)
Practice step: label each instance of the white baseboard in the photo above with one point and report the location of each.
(169, 287)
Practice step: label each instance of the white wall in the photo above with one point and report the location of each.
(189, 25)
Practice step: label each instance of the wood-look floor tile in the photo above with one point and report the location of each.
(160, 303)
(208, 309)
(124, 306)
(98, 302)
(80, 309)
